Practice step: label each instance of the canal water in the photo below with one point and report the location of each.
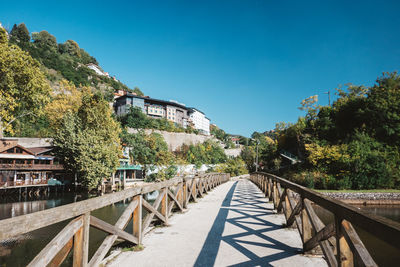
(383, 253)
(21, 250)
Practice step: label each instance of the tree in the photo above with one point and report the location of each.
(68, 98)
(137, 91)
(3, 36)
(218, 133)
(150, 150)
(383, 110)
(88, 143)
(136, 119)
(70, 47)
(23, 86)
(44, 40)
(234, 167)
(248, 155)
(20, 35)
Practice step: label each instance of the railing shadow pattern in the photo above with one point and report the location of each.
(338, 240)
(245, 209)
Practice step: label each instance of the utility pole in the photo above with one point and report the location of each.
(258, 141)
(329, 97)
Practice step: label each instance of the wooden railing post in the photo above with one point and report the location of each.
(344, 256)
(275, 195)
(194, 189)
(269, 189)
(164, 205)
(185, 194)
(288, 208)
(180, 193)
(306, 224)
(137, 219)
(264, 186)
(78, 248)
(81, 243)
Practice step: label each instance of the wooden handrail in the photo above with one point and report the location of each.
(176, 193)
(312, 230)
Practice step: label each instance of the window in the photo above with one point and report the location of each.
(18, 150)
(11, 150)
(19, 161)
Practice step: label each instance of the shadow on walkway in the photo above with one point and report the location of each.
(248, 202)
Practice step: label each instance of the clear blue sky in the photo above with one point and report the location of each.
(247, 64)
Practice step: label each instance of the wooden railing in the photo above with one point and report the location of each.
(338, 240)
(32, 167)
(176, 193)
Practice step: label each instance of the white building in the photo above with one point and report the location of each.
(97, 70)
(200, 121)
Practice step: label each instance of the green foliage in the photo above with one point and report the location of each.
(71, 48)
(88, 144)
(372, 164)
(44, 40)
(218, 133)
(3, 36)
(23, 87)
(208, 152)
(20, 35)
(248, 155)
(234, 167)
(353, 144)
(383, 109)
(68, 59)
(151, 150)
(137, 91)
(58, 62)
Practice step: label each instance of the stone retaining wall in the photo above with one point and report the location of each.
(364, 198)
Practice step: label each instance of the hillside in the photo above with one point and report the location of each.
(66, 61)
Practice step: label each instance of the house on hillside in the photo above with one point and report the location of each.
(236, 140)
(154, 108)
(20, 165)
(97, 69)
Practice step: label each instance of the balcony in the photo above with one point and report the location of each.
(31, 167)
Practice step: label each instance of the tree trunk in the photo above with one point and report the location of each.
(1, 128)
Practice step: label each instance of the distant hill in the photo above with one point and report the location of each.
(66, 61)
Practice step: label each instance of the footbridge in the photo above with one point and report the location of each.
(209, 220)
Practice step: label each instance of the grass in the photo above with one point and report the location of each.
(360, 191)
(134, 248)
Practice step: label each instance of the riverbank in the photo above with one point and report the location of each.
(366, 198)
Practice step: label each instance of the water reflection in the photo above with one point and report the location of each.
(383, 253)
(19, 251)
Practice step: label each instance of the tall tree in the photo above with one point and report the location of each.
(44, 40)
(384, 108)
(3, 36)
(23, 87)
(88, 142)
(70, 47)
(67, 98)
(137, 91)
(20, 35)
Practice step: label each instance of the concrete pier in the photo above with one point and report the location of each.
(233, 225)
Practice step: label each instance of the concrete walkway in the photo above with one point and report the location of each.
(231, 226)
